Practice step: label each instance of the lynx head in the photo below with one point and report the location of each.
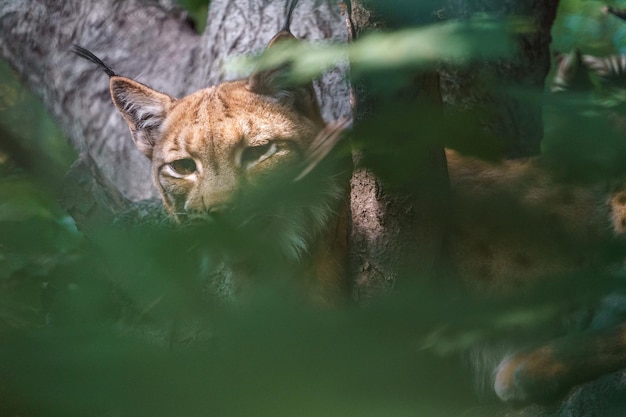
(208, 147)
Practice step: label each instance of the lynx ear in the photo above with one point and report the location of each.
(274, 83)
(143, 108)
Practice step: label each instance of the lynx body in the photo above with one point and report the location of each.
(209, 148)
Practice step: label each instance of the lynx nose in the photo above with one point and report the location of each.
(216, 210)
(208, 212)
(208, 204)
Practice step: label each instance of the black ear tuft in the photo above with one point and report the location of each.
(89, 56)
(272, 81)
(289, 7)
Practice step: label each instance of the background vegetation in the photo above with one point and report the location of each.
(117, 324)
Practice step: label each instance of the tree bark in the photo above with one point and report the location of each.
(398, 229)
(514, 118)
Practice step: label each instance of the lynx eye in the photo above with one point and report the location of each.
(252, 155)
(183, 167)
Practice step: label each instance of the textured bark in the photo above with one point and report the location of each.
(513, 118)
(397, 228)
(35, 38)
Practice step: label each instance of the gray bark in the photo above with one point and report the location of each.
(35, 38)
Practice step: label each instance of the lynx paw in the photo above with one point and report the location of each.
(529, 377)
(508, 384)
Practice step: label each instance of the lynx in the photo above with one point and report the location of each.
(211, 147)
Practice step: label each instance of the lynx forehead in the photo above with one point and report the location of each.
(228, 118)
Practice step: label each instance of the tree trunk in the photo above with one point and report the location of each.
(514, 118)
(398, 228)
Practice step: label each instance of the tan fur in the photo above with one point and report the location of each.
(215, 127)
(513, 223)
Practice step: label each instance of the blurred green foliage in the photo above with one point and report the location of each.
(120, 323)
(480, 37)
(584, 129)
(35, 234)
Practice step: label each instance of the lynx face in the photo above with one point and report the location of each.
(209, 146)
(212, 148)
